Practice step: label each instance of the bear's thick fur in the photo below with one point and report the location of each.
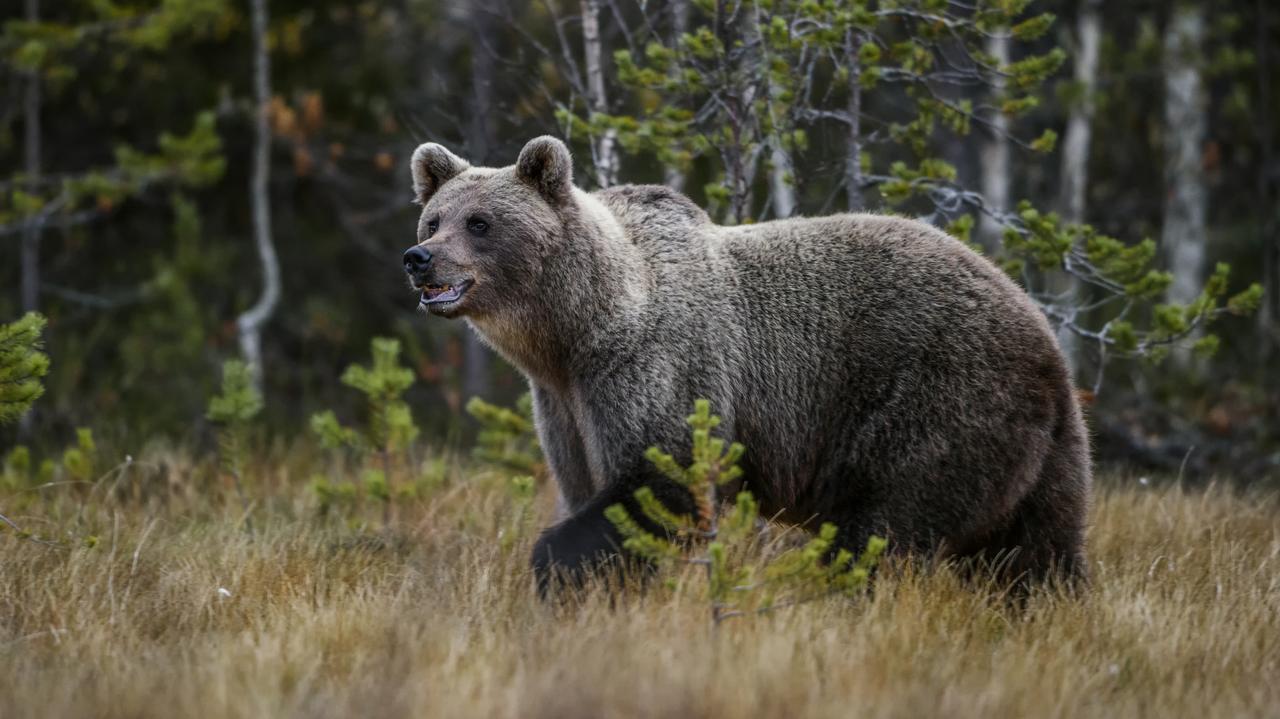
(882, 376)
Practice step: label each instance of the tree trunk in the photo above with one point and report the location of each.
(476, 358)
(782, 189)
(853, 148)
(1074, 171)
(1268, 203)
(672, 176)
(604, 147)
(1186, 198)
(250, 323)
(995, 159)
(781, 182)
(31, 231)
(30, 253)
(1075, 147)
(738, 98)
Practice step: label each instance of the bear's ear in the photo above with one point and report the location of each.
(546, 164)
(433, 166)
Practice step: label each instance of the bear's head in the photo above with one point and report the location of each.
(484, 234)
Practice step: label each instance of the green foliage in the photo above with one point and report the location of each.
(15, 473)
(1125, 274)
(138, 98)
(79, 462)
(507, 438)
(234, 411)
(331, 433)
(388, 432)
(193, 160)
(507, 441)
(22, 366)
(50, 46)
(390, 424)
(731, 90)
(333, 496)
(726, 543)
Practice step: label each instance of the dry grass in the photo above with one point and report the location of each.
(322, 620)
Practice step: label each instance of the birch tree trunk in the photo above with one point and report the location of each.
(781, 184)
(31, 151)
(672, 176)
(1186, 198)
(604, 147)
(853, 148)
(737, 101)
(1075, 147)
(250, 323)
(1074, 171)
(782, 189)
(995, 158)
(476, 358)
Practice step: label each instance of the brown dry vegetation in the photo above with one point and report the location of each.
(438, 619)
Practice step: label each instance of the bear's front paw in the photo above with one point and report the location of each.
(568, 553)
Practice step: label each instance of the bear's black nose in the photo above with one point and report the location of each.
(416, 259)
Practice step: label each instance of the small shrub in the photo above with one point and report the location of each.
(22, 366)
(738, 583)
(388, 432)
(234, 411)
(507, 438)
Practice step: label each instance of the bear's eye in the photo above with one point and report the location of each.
(477, 226)
(432, 226)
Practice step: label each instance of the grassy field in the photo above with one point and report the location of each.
(178, 611)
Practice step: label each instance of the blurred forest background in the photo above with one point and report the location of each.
(187, 181)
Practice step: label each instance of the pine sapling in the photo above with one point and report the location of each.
(507, 438)
(22, 366)
(234, 411)
(521, 490)
(390, 428)
(738, 582)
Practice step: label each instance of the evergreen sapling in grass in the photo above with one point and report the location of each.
(390, 429)
(233, 411)
(507, 438)
(726, 543)
(22, 366)
(508, 441)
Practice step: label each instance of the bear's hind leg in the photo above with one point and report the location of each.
(1044, 537)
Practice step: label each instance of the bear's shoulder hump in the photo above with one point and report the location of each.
(645, 205)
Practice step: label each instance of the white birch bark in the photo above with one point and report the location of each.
(853, 147)
(673, 176)
(781, 187)
(1075, 147)
(1186, 197)
(250, 323)
(1074, 170)
(604, 146)
(995, 159)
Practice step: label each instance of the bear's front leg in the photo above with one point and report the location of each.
(588, 543)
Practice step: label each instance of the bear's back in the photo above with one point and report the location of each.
(887, 344)
(655, 217)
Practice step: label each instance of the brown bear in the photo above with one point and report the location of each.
(882, 376)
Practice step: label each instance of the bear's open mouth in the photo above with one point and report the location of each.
(439, 294)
